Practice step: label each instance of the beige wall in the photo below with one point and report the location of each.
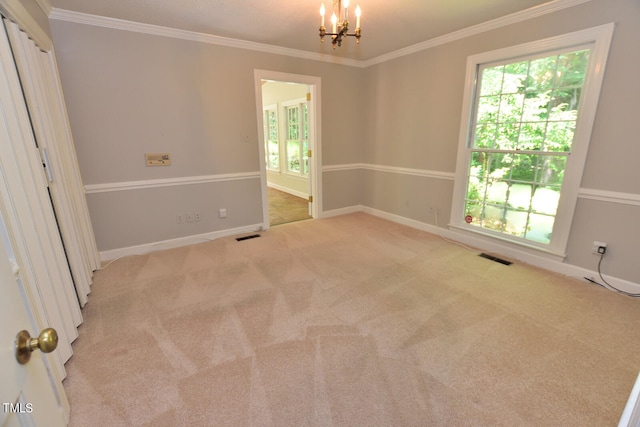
(415, 105)
(130, 93)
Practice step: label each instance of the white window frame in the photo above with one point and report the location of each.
(598, 40)
(284, 164)
(265, 110)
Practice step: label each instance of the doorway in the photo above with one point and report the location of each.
(288, 127)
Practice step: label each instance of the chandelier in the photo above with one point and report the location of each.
(340, 23)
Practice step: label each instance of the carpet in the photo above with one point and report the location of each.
(348, 321)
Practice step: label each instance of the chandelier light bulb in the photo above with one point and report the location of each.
(340, 23)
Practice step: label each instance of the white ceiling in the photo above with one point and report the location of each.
(386, 25)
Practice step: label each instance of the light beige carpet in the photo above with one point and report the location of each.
(348, 321)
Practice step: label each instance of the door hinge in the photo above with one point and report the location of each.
(308, 97)
(309, 153)
(46, 164)
(310, 199)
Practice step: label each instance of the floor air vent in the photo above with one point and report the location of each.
(253, 236)
(496, 259)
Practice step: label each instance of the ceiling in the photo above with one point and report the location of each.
(387, 25)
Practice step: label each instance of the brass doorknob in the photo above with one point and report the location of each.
(47, 341)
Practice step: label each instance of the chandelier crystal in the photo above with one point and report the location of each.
(340, 23)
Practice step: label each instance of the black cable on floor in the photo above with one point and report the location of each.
(607, 284)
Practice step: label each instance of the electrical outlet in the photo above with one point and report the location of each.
(190, 217)
(180, 218)
(222, 213)
(599, 248)
(197, 216)
(434, 210)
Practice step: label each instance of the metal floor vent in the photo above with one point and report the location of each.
(496, 259)
(253, 236)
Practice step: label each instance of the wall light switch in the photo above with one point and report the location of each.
(157, 159)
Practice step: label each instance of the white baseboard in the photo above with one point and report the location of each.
(175, 243)
(342, 211)
(288, 190)
(403, 220)
(540, 261)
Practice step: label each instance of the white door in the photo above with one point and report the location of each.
(309, 136)
(26, 392)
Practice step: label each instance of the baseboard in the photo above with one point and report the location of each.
(398, 219)
(175, 243)
(288, 190)
(342, 211)
(540, 261)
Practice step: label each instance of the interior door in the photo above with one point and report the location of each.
(309, 139)
(26, 392)
(45, 103)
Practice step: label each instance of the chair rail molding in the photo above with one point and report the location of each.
(609, 196)
(168, 182)
(391, 169)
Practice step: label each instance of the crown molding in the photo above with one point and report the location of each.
(157, 30)
(121, 24)
(15, 11)
(514, 18)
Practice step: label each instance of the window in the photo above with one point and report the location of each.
(525, 119)
(297, 146)
(271, 136)
(530, 112)
(291, 156)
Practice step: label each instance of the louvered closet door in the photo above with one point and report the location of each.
(41, 85)
(56, 275)
(32, 226)
(25, 210)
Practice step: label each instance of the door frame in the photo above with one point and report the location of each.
(315, 126)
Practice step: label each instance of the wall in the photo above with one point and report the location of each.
(391, 147)
(415, 103)
(130, 93)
